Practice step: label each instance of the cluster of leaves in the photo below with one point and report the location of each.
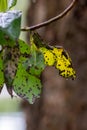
(21, 64)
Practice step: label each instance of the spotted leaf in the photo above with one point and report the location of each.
(26, 85)
(11, 57)
(63, 63)
(55, 56)
(59, 58)
(48, 56)
(24, 48)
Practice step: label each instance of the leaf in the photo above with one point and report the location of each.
(24, 47)
(26, 85)
(36, 66)
(36, 39)
(33, 52)
(5, 40)
(3, 5)
(64, 63)
(48, 56)
(10, 24)
(1, 71)
(11, 3)
(36, 61)
(21, 72)
(11, 57)
(59, 58)
(27, 82)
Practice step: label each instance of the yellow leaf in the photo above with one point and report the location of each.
(63, 63)
(59, 58)
(49, 57)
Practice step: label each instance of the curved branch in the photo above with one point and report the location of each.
(61, 15)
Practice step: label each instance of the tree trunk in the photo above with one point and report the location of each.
(63, 103)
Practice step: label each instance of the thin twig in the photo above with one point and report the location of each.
(61, 15)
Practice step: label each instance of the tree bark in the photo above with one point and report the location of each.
(63, 103)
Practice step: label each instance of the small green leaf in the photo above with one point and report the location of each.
(11, 3)
(10, 23)
(26, 85)
(1, 71)
(3, 5)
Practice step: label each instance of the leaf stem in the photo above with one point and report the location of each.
(61, 15)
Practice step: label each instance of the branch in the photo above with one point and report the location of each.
(61, 15)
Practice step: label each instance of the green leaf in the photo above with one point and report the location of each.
(37, 60)
(26, 85)
(22, 73)
(5, 40)
(24, 47)
(37, 65)
(11, 58)
(11, 3)
(1, 71)
(3, 5)
(10, 23)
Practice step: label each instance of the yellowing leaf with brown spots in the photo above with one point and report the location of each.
(59, 58)
(63, 63)
(48, 56)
